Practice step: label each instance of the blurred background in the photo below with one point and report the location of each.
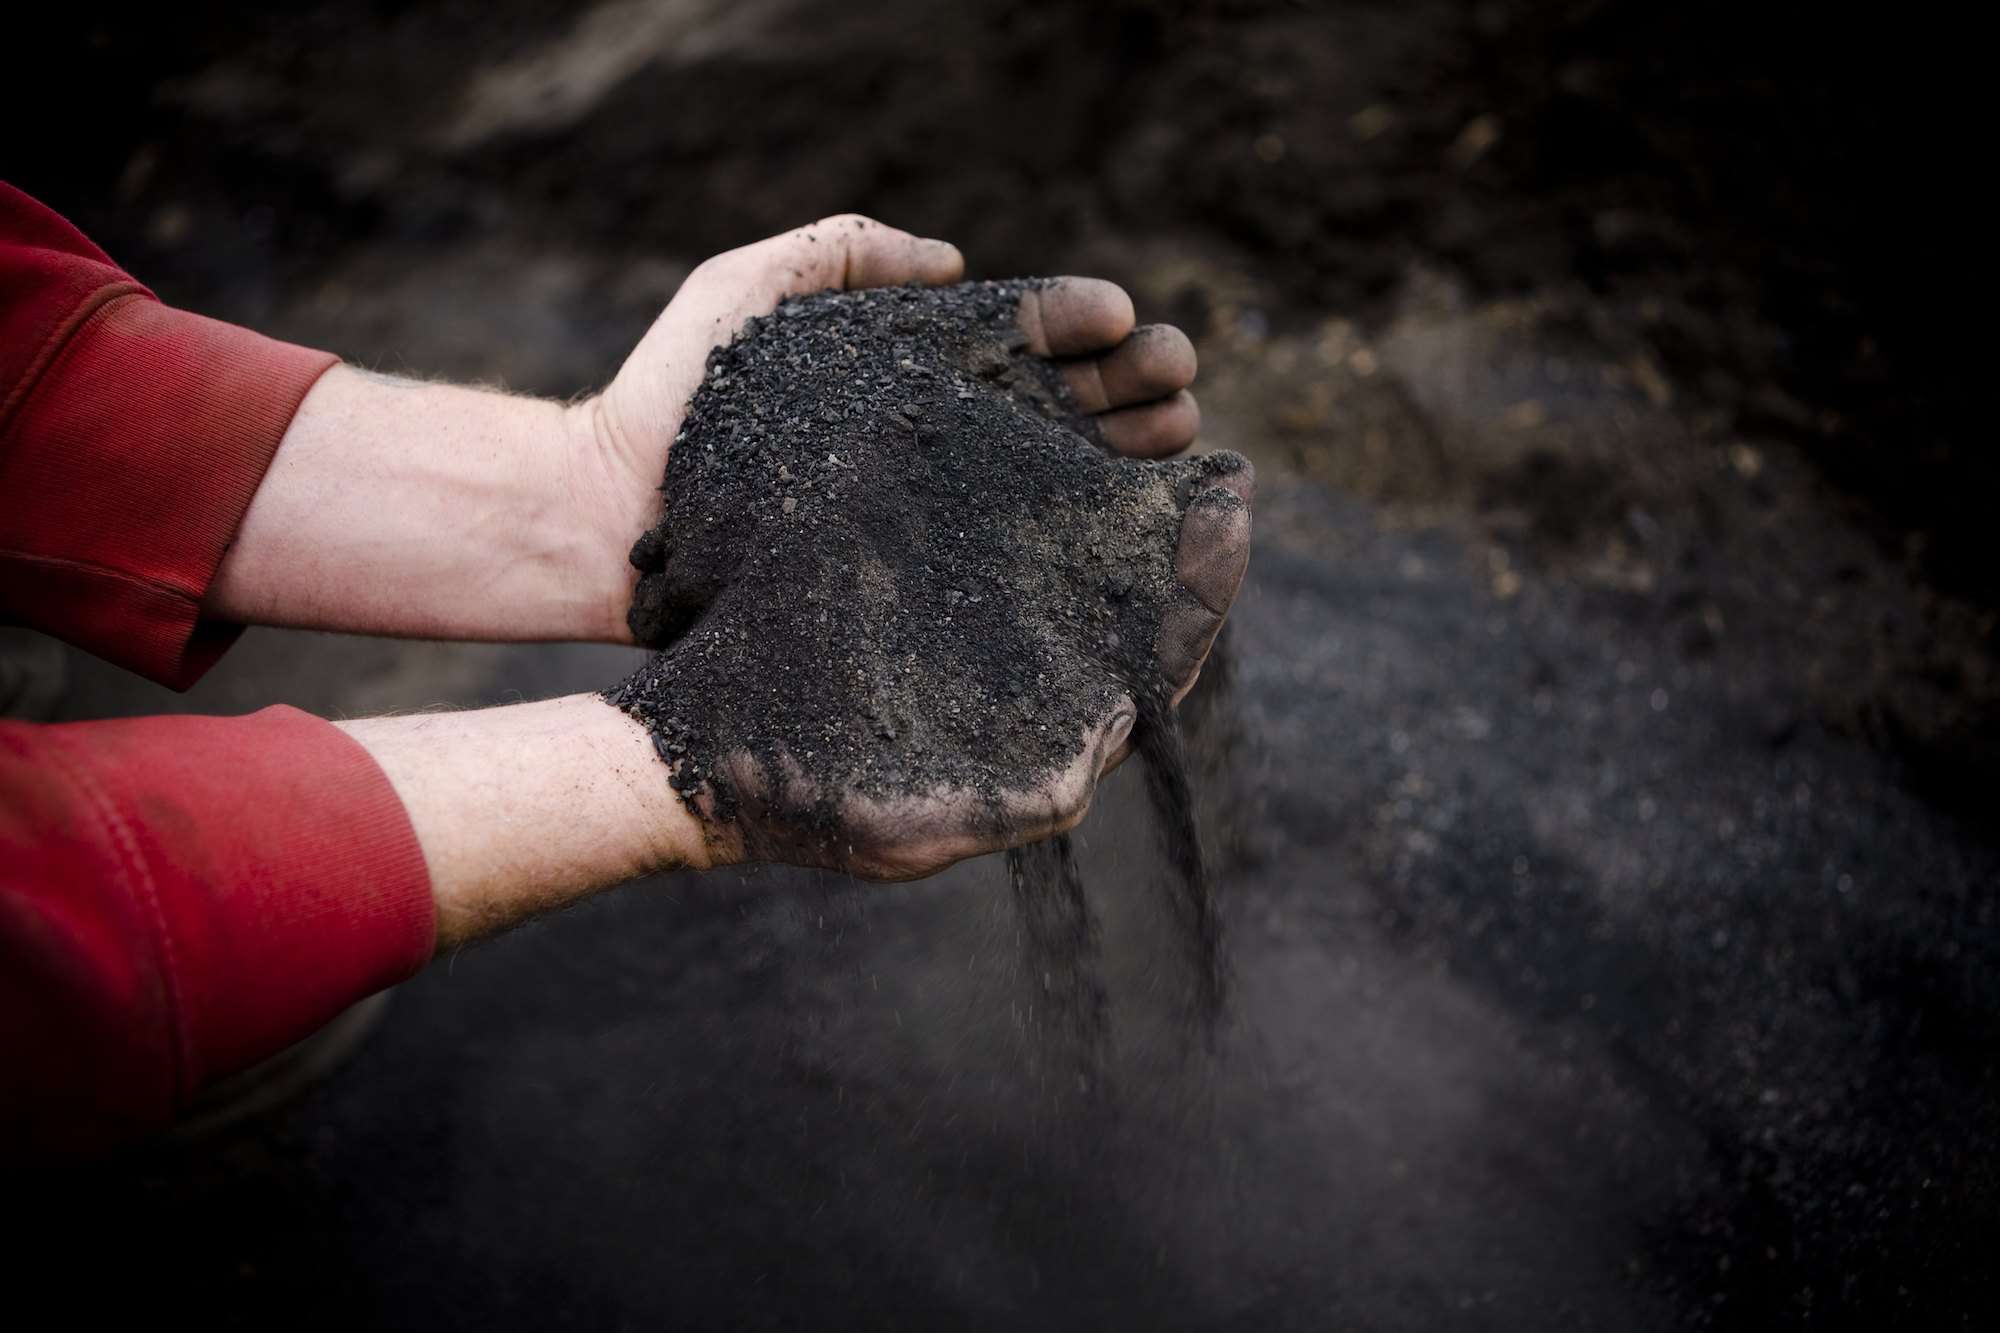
(1600, 787)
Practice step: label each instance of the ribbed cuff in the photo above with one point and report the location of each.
(288, 880)
(136, 454)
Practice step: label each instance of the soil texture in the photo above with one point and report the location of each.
(893, 563)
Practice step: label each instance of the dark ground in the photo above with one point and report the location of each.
(1603, 787)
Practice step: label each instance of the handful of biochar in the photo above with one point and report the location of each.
(895, 562)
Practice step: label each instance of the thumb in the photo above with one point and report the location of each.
(845, 251)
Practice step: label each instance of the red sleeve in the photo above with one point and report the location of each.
(180, 897)
(132, 437)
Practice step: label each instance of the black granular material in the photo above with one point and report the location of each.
(893, 560)
(1066, 1008)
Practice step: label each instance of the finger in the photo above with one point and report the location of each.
(879, 256)
(1061, 804)
(1214, 547)
(1174, 700)
(1153, 430)
(1075, 316)
(1155, 361)
(759, 802)
(1117, 753)
(843, 251)
(907, 837)
(727, 291)
(1187, 632)
(1213, 555)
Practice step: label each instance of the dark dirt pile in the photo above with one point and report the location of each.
(892, 560)
(891, 557)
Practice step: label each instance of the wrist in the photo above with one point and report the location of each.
(525, 809)
(649, 828)
(613, 503)
(400, 507)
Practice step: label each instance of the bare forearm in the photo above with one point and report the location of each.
(524, 809)
(430, 510)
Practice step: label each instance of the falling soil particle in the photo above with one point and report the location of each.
(894, 562)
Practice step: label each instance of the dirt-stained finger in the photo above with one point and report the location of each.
(1187, 632)
(847, 250)
(882, 256)
(906, 837)
(1075, 316)
(1210, 561)
(1153, 430)
(1214, 548)
(1117, 744)
(1155, 361)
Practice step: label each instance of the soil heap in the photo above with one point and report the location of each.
(894, 559)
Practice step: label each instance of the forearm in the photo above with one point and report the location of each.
(432, 510)
(525, 809)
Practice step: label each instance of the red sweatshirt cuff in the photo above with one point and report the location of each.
(209, 890)
(129, 467)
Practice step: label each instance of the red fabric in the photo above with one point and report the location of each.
(179, 897)
(182, 897)
(132, 437)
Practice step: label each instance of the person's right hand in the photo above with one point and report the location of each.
(428, 510)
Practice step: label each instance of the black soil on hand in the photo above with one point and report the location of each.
(894, 563)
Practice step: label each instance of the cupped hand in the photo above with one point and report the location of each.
(1132, 380)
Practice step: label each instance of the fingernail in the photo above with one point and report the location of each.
(1230, 470)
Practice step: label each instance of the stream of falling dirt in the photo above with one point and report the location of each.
(1061, 953)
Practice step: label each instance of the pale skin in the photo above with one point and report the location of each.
(436, 511)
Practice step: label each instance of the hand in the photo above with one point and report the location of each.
(1134, 381)
(399, 507)
(526, 808)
